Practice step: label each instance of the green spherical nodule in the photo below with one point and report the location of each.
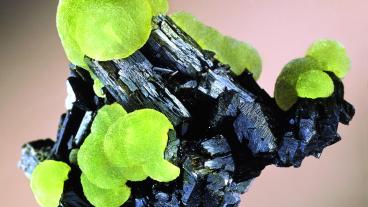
(141, 137)
(91, 158)
(95, 165)
(102, 197)
(332, 54)
(314, 84)
(47, 182)
(285, 89)
(105, 30)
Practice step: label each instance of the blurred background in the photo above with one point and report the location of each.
(33, 69)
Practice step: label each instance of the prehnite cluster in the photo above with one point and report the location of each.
(47, 182)
(123, 147)
(130, 146)
(105, 29)
(306, 77)
(239, 55)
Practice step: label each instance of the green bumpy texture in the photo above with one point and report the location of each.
(97, 196)
(47, 182)
(140, 139)
(305, 77)
(314, 84)
(123, 147)
(105, 29)
(237, 54)
(285, 89)
(91, 157)
(332, 54)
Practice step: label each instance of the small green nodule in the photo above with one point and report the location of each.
(47, 182)
(285, 89)
(101, 197)
(332, 54)
(105, 30)
(314, 84)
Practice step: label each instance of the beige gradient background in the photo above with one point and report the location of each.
(33, 69)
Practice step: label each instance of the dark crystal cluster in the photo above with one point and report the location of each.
(311, 125)
(227, 129)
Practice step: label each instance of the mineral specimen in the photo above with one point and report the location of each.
(227, 129)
